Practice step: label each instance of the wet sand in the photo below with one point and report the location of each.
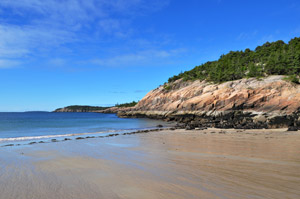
(210, 163)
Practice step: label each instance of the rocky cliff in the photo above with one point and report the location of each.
(270, 102)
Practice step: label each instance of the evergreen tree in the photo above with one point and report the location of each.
(275, 58)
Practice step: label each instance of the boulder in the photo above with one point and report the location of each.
(293, 128)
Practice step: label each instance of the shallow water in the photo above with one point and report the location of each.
(41, 125)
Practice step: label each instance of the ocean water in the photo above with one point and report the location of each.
(36, 125)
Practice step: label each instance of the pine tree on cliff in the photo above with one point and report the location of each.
(275, 58)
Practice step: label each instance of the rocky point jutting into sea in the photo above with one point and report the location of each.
(270, 102)
(257, 88)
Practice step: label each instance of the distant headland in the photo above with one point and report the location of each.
(86, 108)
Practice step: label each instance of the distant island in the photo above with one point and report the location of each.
(36, 111)
(86, 108)
(80, 108)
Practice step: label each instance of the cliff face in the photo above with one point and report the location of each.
(268, 95)
(248, 103)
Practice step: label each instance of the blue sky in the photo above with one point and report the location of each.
(56, 53)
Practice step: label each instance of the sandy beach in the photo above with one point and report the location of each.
(212, 163)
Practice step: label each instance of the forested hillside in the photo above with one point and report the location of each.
(79, 108)
(129, 104)
(276, 58)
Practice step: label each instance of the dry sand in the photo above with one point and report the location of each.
(166, 164)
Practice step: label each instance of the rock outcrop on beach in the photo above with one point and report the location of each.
(271, 102)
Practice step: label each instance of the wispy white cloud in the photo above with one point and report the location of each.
(16, 41)
(5, 63)
(57, 62)
(75, 11)
(138, 58)
(30, 26)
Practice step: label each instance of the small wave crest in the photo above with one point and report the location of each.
(51, 136)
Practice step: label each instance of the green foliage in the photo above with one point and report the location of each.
(80, 108)
(167, 87)
(130, 104)
(293, 78)
(276, 58)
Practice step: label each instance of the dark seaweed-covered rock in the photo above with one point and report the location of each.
(9, 145)
(32, 143)
(79, 138)
(159, 126)
(188, 127)
(293, 128)
(112, 135)
(180, 126)
(280, 121)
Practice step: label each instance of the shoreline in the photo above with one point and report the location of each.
(68, 137)
(94, 135)
(80, 136)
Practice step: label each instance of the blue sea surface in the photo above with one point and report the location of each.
(35, 124)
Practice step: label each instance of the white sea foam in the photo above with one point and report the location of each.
(52, 136)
